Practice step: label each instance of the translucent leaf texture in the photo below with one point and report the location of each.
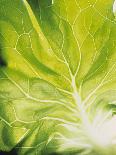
(58, 77)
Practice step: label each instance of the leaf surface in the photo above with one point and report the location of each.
(58, 81)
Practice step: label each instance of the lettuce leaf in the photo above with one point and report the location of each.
(58, 77)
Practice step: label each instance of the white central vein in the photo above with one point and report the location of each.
(83, 114)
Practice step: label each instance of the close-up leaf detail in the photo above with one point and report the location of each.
(58, 77)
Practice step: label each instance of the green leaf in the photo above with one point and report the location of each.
(58, 77)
